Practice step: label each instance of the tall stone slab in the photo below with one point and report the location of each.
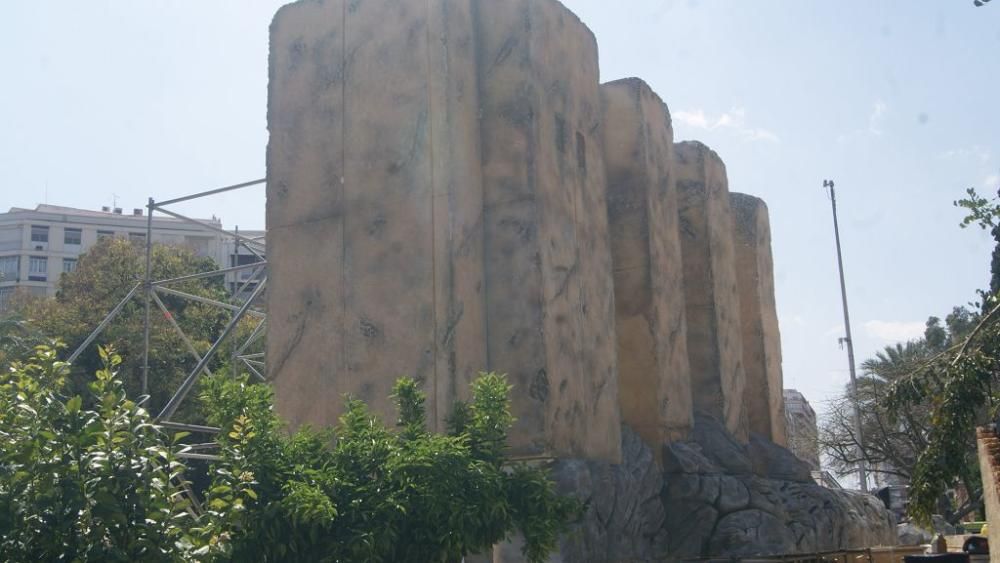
(761, 341)
(550, 311)
(654, 388)
(435, 208)
(374, 205)
(712, 311)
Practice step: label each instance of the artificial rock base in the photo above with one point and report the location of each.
(713, 497)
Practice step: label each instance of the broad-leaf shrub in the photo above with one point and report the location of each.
(366, 493)
(103, 483)
(79, 484)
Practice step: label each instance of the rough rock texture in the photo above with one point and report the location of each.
(625, 518)
(374, 191)
(911, 534)
(714, 347)
(653, 378)
(449, 152)
(763, 390)
(715, 497)
(549, 293)
(438, 204)
(759, 499)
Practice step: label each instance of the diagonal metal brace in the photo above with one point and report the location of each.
(190, 380)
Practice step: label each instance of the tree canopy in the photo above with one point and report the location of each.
(104, 275)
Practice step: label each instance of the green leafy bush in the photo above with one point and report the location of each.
(79, 484)
(377, 495)
(104, 483)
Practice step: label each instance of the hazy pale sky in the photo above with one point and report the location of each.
(897, 101)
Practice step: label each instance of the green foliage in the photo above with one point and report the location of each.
(986, 214)
(365, 493)
(895, 437)
(81, 484)
(96, 480)
(956, 386)
(104, 275)
(16, 339)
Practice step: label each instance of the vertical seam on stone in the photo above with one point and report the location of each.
(433, 186)
(345, 363)
(532, 179)
(485, 254)
(713, 274)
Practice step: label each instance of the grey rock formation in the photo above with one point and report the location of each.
(625, 519)
(714, 497)
(909, 533)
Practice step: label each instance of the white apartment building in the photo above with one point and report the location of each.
(800, 423)
(38, 245)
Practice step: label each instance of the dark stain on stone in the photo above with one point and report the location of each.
(513, 340)
(296, 53)
(519, 111)
(560, 133)
(377, 225)
(369, 329)
(539, 389)
(569, 273)
(505, 50)
(524, 230)
(581, 153)
(449, 332)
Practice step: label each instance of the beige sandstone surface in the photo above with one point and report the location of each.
(436, 207)
(714, 347)
(653, 375)
(758, 317)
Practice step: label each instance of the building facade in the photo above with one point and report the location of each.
(803, 434)
(38, 245)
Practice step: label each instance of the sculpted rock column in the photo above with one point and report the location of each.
(374, 205)
(436, 207)
(654, 379)
(761, 340)
(713, 317)
(549, 293)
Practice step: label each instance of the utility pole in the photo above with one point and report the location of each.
(862, 477)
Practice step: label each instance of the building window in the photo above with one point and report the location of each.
(5, 294)
(38, 268)
(39, 233)
(137, 238)
(72, 236)
(105, 234)
(9, 268)
(69, 264)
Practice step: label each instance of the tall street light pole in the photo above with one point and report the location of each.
(862, 477)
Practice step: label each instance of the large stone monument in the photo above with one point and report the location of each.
(451, 190)
(763, 395)
(714, 346)
(436, 181)
(653, 377)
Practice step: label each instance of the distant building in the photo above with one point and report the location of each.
(803, 435)
(38, 245)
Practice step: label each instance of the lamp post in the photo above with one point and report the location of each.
(862, 477)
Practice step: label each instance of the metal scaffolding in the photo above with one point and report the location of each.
(240, 307)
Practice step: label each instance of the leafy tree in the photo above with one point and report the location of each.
(104, 275)
(81, 484)
(894, 438)
(956, 386)
(16, 339)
